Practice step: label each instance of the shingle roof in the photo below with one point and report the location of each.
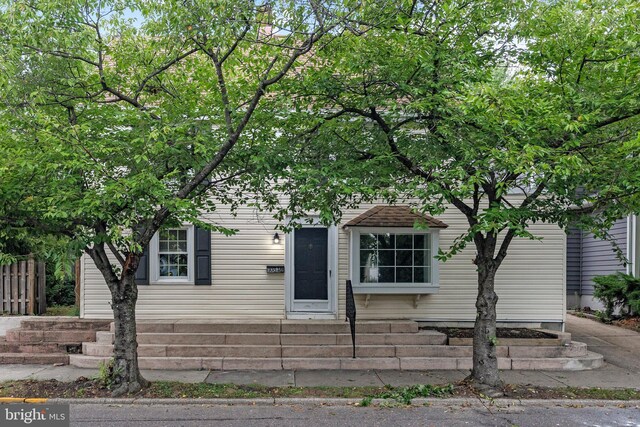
(393, 216)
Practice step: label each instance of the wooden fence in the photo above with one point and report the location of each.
(22, 287)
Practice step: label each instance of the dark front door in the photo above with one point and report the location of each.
(310, 264)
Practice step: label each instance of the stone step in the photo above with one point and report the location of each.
(334, 351)
(339, 351)
(258, 351)
(273, 327)
(590, 361)
(24, 336)
(34, 358)
(575, 349)
(421, 338)
(195, 326)
(210, 339)
(64, 323)
(32, 348)
(106, 337)
(340, 327)
(246, 351)
(562, 338)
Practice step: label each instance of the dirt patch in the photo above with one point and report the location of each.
(86, 388)
(632, 323)
(501, 332)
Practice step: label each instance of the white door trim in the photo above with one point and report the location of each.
(331, 309)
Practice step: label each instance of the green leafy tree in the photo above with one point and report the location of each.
(511, 112)
(120, 117)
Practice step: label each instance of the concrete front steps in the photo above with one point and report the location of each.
(48, 340)
(286, 344)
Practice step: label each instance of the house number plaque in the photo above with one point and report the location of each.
(275, 269)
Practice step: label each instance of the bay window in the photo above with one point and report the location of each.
(390, 261)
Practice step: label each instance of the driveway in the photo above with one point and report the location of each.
(620, 347)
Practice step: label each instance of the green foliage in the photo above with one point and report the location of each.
(110, 124)
(617, 291)
(514, 113)
(106, 373)
(63, 310)
(61, 293)
(60, 283)
(366, 401)
(513, 104)
(113, 127)
(405, 395)
(602, 316)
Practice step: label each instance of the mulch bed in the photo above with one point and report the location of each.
(501, 332)
(632, 323)
(89, 388)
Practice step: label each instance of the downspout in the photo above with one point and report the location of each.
(636, 239)
(631, 245)
(581, 256)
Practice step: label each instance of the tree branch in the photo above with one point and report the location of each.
(61, 54)
(161, 69)
(116, 253)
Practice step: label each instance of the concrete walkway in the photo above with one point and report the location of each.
(620, 347)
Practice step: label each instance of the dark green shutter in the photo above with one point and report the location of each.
(202, 255)
(142, 273)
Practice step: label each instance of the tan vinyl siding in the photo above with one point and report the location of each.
(530, 283)
(241, 287)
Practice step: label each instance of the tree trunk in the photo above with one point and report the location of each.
(126, 377)
(485, 373)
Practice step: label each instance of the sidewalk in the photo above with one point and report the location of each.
(609, 376)
(620, 347)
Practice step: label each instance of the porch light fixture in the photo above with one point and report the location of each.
(276, 239)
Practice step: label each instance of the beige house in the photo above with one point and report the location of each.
(189, 273)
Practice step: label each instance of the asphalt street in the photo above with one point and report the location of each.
(322, 415)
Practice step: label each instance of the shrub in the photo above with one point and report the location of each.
(633, 294)
(61, 293)
(60, 281)
(618, 291)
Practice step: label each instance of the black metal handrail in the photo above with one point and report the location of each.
(351, 315)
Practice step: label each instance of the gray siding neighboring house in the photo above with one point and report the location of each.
(588, 257)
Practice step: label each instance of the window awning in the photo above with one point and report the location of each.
(394, 216)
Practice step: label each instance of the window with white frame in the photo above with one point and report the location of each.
(398, 261)
(171, 256)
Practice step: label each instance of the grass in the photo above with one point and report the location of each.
(602, 393)
(62, 310)
(87, 388)
(167, 389)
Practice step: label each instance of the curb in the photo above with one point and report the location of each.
(23, 400)
(467, 402)
(584, 315)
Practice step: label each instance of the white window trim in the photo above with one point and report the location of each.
(154, 267)
(391, 288)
